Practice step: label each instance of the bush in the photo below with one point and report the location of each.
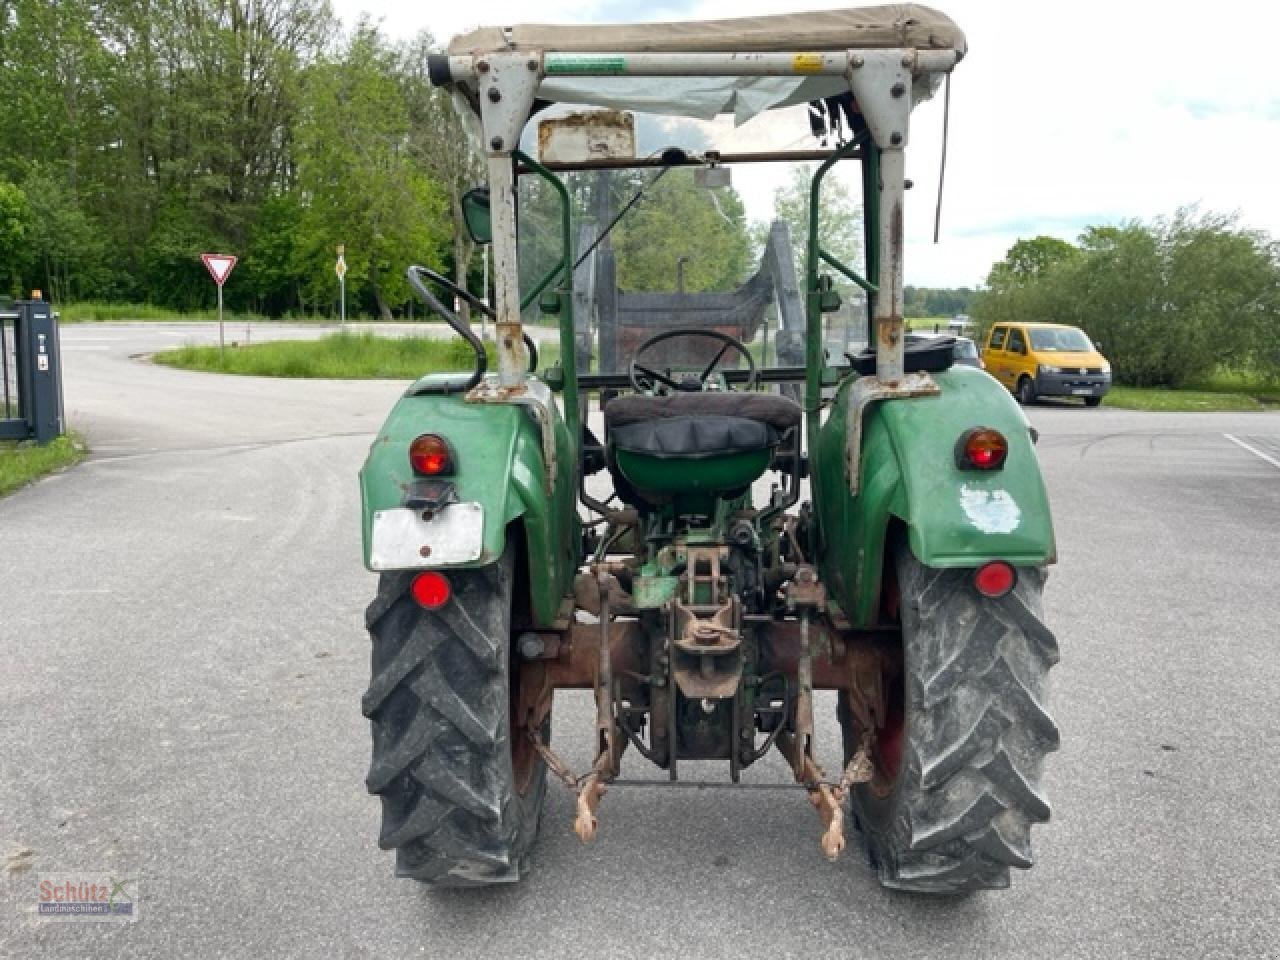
(1171, 302)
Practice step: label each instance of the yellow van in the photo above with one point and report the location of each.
(1046, 360)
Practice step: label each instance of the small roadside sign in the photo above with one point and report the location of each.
(340, 268)
(219, 266)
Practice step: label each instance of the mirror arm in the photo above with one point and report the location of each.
(429, 298)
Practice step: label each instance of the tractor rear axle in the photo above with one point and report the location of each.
(615, 659)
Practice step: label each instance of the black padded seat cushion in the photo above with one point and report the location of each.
(778, 412)
(689, 438)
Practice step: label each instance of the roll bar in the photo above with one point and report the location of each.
(503, 86)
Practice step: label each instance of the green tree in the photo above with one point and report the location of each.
(1170, 301)
(53, 111)
(1028, 260)
(936, 301)
(272, 250)
(361, 185)
(1018, 286)
(839, 220)
(679, 221)
(69, 255)
(439, 144)
(15, 225)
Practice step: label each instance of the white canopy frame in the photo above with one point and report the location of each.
(504, 84)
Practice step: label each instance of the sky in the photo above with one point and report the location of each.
(1063, 114)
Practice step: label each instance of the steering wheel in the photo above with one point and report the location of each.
(475, 302)
(643, 378)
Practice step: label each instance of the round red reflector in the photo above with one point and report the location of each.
(430, 455)
(431, 590)
(994, 579)
(983, 449)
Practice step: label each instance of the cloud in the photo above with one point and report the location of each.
(1062, 114)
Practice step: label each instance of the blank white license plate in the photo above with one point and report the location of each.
(1083, 392)
(402, 540)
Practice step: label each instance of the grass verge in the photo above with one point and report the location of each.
(21, 463)
(1164, 400)
(1226, 391)
(339, 356)
(97, 311)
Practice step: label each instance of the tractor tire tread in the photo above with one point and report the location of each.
(974, 747)
(438, 704)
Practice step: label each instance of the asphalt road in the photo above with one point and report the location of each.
(183, 658)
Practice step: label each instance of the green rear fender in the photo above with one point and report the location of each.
(498, 448)
(953, 517)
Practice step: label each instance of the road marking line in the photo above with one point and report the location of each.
(1254, 450)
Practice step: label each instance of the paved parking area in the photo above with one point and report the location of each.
(183, 657)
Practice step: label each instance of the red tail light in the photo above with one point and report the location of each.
(994, 579)
(431, 590)
(431, 456)
(981, 449)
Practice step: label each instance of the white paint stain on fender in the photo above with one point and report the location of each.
(991, 511)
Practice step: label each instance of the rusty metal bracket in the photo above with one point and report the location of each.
(827, 798)
(821, 794)
(862, 393)
(859, 768)
(585, 821)
(609, 742)
(557, 766)
(805, 591)
(589, 789)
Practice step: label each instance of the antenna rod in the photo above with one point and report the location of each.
(942, 165)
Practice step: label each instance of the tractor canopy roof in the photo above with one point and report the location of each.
(805, 35)
(892, 25)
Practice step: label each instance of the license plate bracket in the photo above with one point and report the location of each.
(407, 539)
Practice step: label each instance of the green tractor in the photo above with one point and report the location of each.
(713, 539)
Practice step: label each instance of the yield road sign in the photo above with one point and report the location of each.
(219, 266)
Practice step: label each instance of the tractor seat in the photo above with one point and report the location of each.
(698, 425)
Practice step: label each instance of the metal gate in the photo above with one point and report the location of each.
(30, 374)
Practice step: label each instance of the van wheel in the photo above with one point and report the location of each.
(1092, 401)
(1026, 391)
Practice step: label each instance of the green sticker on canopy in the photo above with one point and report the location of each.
(562, 64)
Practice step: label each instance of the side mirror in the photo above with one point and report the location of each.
(475, 211)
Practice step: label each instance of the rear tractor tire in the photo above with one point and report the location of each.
(958, 765)
(461, 793)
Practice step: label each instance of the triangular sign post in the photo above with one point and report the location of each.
(219, 266)
(340, 268)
